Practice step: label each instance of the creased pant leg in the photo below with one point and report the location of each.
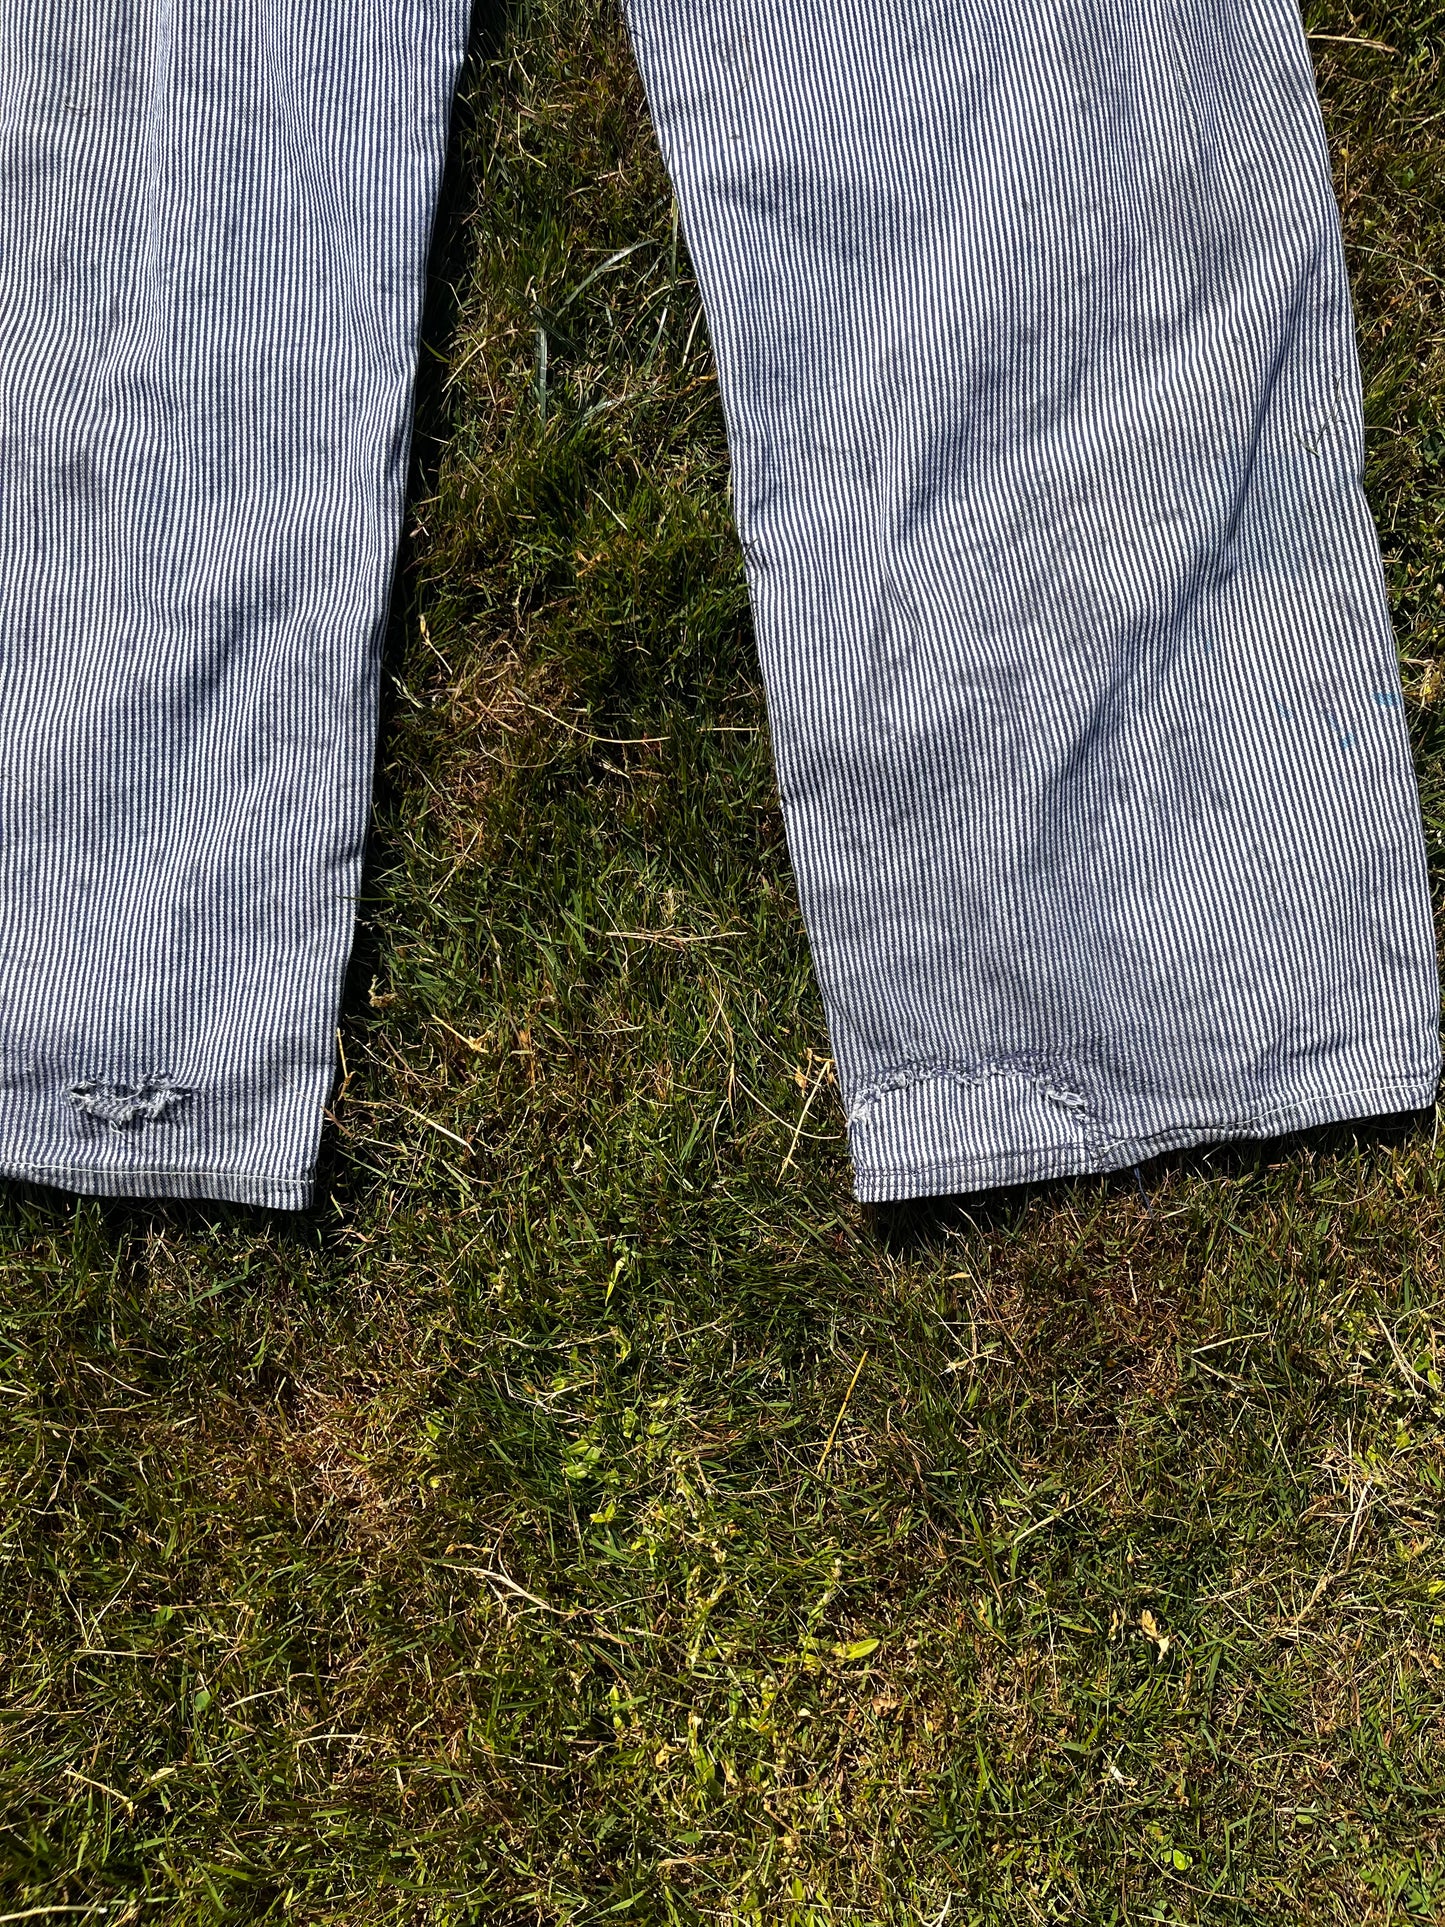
(214, 218)
(1036, 348)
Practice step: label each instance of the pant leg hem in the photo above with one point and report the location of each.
(1037, 1164)
(230, 1187)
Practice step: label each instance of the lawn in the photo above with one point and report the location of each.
(587, 1513)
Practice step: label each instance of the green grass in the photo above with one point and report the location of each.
(587, 1514)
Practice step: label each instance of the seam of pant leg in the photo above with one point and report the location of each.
(1183, 1132)
(197, 1171)
(151, 1187)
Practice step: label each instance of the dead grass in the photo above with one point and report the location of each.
(587, 1514)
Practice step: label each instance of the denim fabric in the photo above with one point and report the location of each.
(1035, 342)
(214, 218)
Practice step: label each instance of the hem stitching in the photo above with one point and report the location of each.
(1181, 1133)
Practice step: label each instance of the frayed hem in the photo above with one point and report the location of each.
(947, 1177)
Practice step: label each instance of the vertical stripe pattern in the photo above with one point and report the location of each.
(1036, 348)
(214, 217)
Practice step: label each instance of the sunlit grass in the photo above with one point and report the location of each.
(587, 1514)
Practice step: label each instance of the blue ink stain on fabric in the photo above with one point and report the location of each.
(1347, 741)
(1387, 699)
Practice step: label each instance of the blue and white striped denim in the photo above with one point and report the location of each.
(214, 218)
(1035, 341)
(1035, 345)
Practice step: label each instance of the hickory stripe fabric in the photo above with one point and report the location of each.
(214, 217)
(1036, 348)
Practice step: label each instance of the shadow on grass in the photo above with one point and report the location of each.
(918, 1226)
(433, 423)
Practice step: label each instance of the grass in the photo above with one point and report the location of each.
(586, 1513)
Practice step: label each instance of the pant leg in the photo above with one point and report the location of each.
(1036, 348)
(214, 217)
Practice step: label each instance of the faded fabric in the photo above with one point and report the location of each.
(1035, 341)
(214, 219)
